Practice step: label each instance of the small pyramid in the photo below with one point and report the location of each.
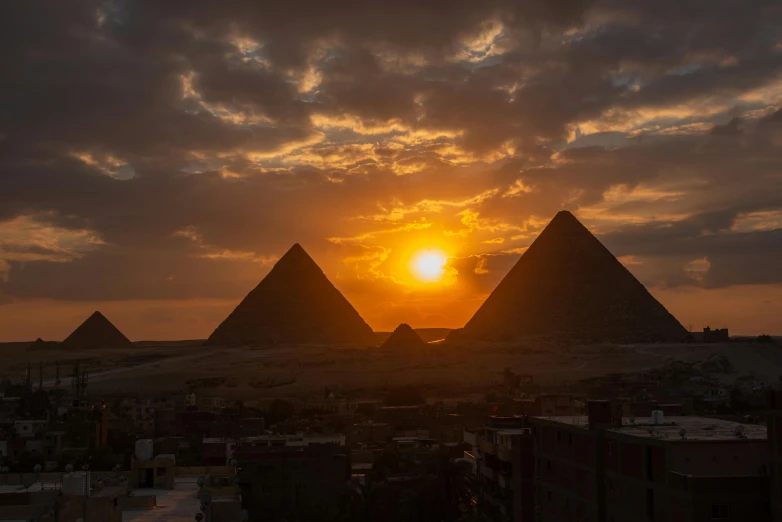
(95, 332)
(294, 303)
(567, 286)
(40, 344)
(404, 337)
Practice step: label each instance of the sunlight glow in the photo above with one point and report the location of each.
(428, 266)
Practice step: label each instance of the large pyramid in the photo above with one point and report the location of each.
(567, 286)
(404, 337)
(294, 303)
(95, 332)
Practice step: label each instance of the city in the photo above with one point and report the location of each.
(390, 261)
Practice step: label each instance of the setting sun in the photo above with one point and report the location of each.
(428, 266)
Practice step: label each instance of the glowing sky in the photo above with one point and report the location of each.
(156, 158)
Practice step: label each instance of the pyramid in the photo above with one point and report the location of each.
(294, 303)
(95, 332)
(404, 337)
(40, 344)
(567, 286)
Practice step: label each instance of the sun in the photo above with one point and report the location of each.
(428, 266)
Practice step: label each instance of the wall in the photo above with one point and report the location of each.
(136, 503)
(71, 509)
(199, 471)
(566, 465)
(731, 457)
(225, 510)
(24, 512)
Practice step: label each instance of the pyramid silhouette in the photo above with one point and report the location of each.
(568, 286)
(403, 337)
(95, 332)
(295, 303)
(40, 344)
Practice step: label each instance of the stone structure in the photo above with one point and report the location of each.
(404, 337)
(95, 332)
(568, 287)
(294, 303)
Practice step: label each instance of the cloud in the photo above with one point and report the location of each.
(172, 150)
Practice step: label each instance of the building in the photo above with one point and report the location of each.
(502, 457)
(219, 451)
(717, 335)
(774, 423)
(369, 433)
(330, 402)
(291, 481)
(606, 468)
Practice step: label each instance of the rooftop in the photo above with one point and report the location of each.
(697, 428)
(176, 505)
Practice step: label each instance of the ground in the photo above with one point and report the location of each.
(256, 372)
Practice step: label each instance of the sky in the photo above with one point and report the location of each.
(156, 158)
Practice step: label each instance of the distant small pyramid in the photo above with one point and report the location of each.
(568, 286)
(95, 332)
(294, 303)
(404, 337)
(40, 344)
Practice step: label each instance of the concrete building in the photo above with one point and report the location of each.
(291, 481)
(331, 403)
(604, 467)
(502, 458)
(219, 451)
(774, 423)
(552, 404)
(709, 335)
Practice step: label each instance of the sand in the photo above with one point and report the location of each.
(288, 370)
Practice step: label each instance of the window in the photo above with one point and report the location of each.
(266, 488)
(720, 511)
(548, 465)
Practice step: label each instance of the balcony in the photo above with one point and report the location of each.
(487, 447)
(504, 454)
(504, 481)
(489, 473)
